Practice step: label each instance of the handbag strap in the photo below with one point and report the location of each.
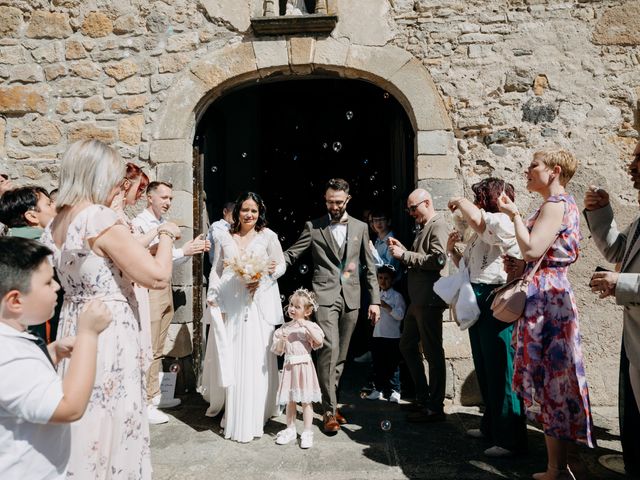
(533, 271)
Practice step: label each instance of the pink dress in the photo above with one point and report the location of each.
(299, 382)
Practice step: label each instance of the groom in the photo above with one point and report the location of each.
(340, 249)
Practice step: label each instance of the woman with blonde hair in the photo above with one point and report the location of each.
(96, 256)
(549, 372)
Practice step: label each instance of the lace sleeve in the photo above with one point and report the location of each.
(279, 342)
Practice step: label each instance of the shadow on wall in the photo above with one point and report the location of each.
(470, 391)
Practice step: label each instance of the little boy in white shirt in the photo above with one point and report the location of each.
(36, 405)
(385, 344)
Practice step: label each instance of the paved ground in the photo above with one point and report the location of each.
(190, 447)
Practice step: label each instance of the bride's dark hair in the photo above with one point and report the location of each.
(262, 211)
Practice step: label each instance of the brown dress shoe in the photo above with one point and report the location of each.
(340, 419)
(330, 424)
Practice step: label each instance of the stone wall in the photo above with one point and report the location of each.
(513, 75)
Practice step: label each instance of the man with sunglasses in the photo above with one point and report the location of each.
(340, 249)
(423, 320)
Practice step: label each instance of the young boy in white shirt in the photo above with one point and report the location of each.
(385, 344)
(36, 405)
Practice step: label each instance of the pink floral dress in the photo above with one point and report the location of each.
(299, 382)
(549, 370)
(111, 440)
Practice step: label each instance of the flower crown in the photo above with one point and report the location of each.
(311, 296)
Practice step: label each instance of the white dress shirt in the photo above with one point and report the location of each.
(147, 221)
(221, 225)
(389, 324)
(339, 230)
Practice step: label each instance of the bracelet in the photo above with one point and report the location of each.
(516, 214)
(168, 234)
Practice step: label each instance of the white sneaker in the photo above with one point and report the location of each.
(286, 436)
(474, 433)
(498, 452)
(157, 401)
(155, 416)
(375, 395)
(394, 397)
(306, 439)
(364, 358)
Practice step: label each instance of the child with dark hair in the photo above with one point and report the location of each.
(35, 404)
(26, 211)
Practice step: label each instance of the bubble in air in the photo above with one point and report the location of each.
(394, 187)
(282, 298)
(349, 115)
(170, 30)
(214, 169)
(282, 238)
(386, 95)
(244, 154)
(385, 425)
(365, 161)
(375, 193)
(175, 367)
(303, 269)
(372, 178)
(324, 145)
(337, 146)
(363, 394)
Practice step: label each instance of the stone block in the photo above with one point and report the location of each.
(45, 24)
(3, 133)
(183, 42)
(227, 63)
(10, 21)
(436, 142)
(87, 131)
(94, 104)
(537, 111)
(125, 24)
(182, 212)
(161, 82)
(271, 55)
(436, 166)
(133, 85)
(171, 151)
(74, 87)
(74, 50)
(97, 24)
(464, 382)
(52, 52)
(375, 63)
(40, 132)
(121, 70)
(12, 54)
(183, 274)
(236, 12)
(441, 190)
(479, 51)
(301, 54)
(619, 25)
(130, 129)
(420, 97)
(23, 99)
(26, 73)
(179, 174)
(85, 69)
(468, 38)
(178, 343)
(364, 27)
(177, 117)
(129, 103)
(173, 62)
(330, 52)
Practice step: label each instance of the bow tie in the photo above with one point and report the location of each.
(342, 221)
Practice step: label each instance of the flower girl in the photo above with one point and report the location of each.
(299, 382)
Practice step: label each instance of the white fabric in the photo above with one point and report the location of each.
(147, 221)
(389, 324)
(30, 391)
(484, 253)
(339, 232)
(456, 290)
(295, 359)
(220, 225)
(240, 346)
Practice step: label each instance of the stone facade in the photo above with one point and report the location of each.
(483, 83)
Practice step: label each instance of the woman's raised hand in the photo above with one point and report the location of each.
(454, 203)
(507, 206)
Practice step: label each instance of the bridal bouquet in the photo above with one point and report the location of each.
(249, 267)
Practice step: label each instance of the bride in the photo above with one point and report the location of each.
(240, 373)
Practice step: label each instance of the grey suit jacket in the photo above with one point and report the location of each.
(614, 244)
(425, 260)
(333, 275)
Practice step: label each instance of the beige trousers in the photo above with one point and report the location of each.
(161, 307)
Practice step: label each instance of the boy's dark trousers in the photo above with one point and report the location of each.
(386, 359)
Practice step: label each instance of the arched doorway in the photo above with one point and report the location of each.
(285, 139)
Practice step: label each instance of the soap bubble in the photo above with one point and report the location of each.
(385, 425)
(303, 269)
(244, 154)
(349, 115)
(282, 238)
(394, 187)
(324, 145)
(375, 193)
(175, 367)
(214, 169)
(337, 146)
(295, 157)
(386, 95)
(363, 394)
(365, 161)
(282, 298)
(129, 42)
(372, 178)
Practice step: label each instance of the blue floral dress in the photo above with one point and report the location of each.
(549, 370)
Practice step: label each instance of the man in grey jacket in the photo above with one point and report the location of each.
(621, 248)
(340, 249)
(423, 320)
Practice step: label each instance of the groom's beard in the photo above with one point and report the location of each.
(338, 216)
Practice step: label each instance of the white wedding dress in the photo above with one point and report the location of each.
(240, 373)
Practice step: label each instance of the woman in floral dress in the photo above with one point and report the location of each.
(96, 256)
(549, 370)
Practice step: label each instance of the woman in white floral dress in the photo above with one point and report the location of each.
(97, 257)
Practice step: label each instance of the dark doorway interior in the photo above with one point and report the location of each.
(285, 139)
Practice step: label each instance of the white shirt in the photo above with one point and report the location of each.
(30, 391)
(221, 225)
(339, 230)
(147, 221)
(484, 253)
(389, 324)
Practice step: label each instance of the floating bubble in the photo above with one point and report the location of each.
(129, 42)
(161, 45)
(372, 178)
(303, 269)
(284, 218)
(365, 161)
(363, 394)
(324, 145)
(375, 193)
(282, 238)
(280, 210)
(394, 187)
(386, 95)
(295, 157)
(214, 169)
(244, 154)
(349, 115)
(337, 146)
(282, 298)
(175, 367)
(126, 54)
(385, 425)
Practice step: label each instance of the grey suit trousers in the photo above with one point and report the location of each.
(337, 323)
